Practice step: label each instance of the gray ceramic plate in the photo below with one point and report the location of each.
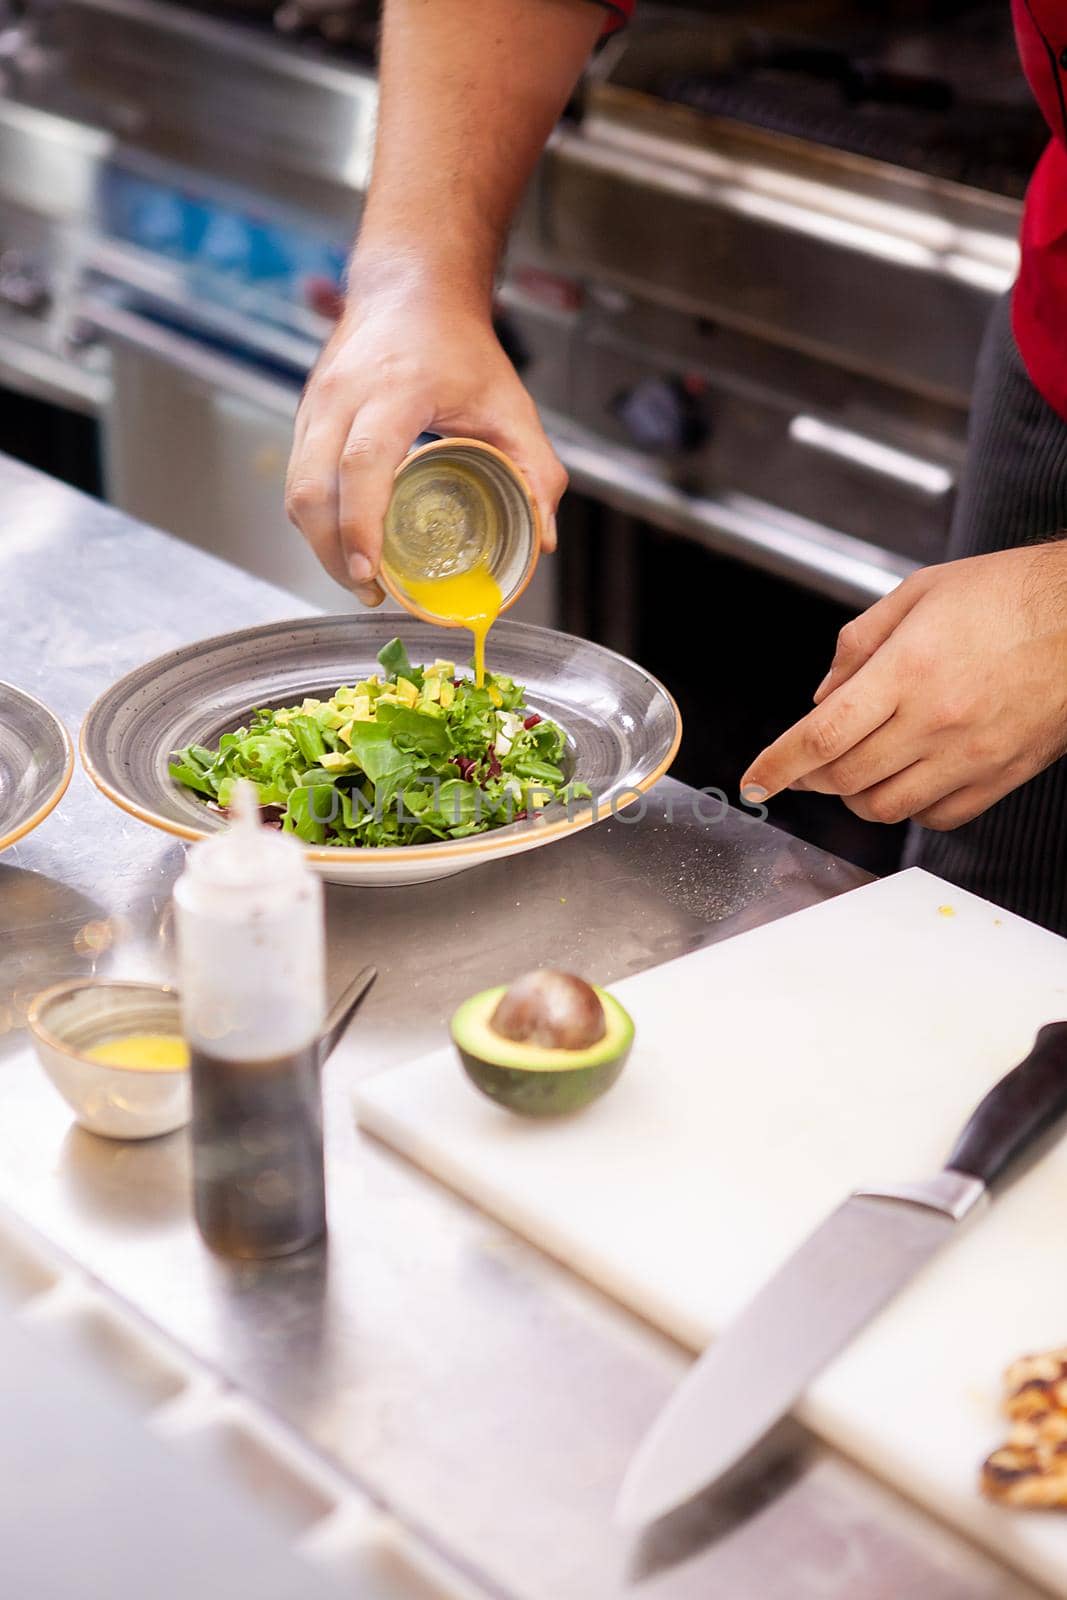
(36, 761)
(622, 726)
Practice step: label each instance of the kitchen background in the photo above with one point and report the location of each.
(747, 291)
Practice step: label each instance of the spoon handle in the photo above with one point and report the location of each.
(340, 1013)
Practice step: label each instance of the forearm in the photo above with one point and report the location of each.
(470, 91)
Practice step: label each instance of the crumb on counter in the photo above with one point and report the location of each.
(946, 911)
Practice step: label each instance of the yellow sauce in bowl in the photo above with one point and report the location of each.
(143, 1052)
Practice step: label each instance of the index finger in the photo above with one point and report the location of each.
(846, 716)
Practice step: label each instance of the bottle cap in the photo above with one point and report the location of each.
(459, 504)
(246, 854)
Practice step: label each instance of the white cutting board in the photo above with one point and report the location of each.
(771, 1074)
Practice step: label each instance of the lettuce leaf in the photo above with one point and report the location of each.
(417, 730)
(410, 773)
(393, 658)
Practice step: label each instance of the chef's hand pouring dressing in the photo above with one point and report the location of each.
(462, 537)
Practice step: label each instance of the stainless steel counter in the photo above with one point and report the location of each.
(477, 1390)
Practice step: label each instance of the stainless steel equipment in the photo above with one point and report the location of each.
(747, 288)
(790, 294)
(197, 427)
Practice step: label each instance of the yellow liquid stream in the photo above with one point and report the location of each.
(147, 1052)
(471, 598)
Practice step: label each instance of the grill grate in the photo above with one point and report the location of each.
(994, 149)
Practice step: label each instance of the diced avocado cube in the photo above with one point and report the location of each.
(362, 709)
(335, 760)
(345, 733)
(448, 695)
(431, 688)
(444, 669)
(407, 691)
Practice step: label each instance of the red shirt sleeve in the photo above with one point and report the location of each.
(619, 13)
(1039, 308)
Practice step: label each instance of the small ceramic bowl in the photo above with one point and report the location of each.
(456, 502)
(119, 1102)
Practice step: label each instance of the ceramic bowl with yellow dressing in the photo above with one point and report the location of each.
(462, 537)
(114, 1051)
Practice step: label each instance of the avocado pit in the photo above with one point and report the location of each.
(553, 1009)
(548, 1045)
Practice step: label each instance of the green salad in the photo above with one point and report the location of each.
(408, 756)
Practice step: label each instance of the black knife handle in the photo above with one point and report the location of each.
(1017, 1111)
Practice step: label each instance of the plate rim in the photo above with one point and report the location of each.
(348, 855)
(52, 800)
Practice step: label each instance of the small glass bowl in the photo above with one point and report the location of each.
(459, 503)
(118, 1102)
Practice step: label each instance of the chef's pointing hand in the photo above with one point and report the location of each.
(941, 698)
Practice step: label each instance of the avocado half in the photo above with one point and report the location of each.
(532, 1080)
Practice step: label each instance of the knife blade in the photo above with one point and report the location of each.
(840, 1277)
